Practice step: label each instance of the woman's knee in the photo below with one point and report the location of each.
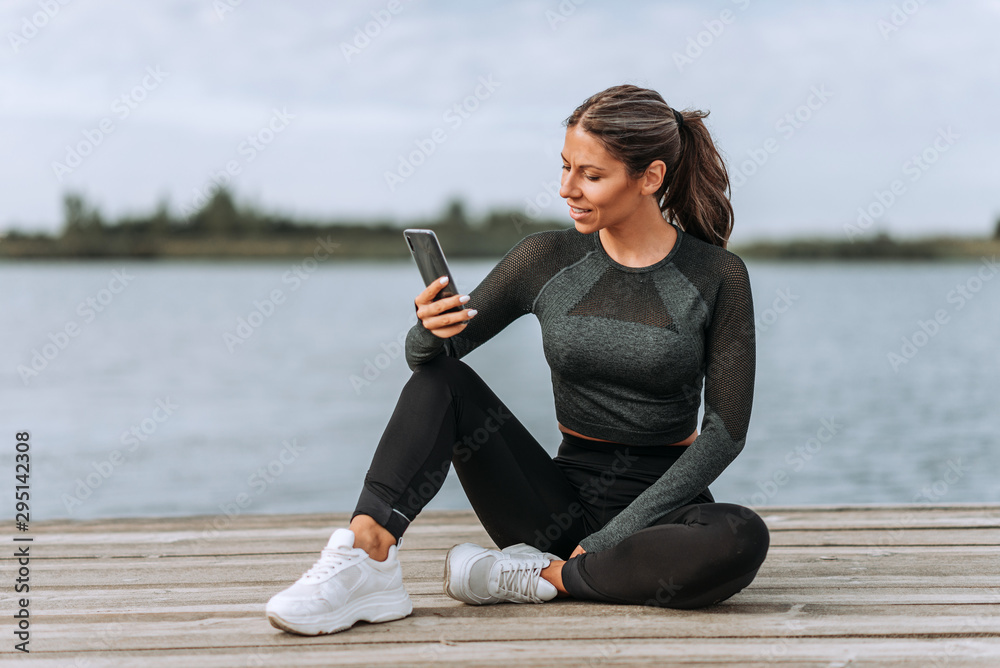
(442, 369)
(747, 534)
(737, 533)
(736, 544)
(438, 372)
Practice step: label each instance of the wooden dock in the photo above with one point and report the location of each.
(842, 586)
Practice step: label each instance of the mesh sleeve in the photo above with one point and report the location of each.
(503, 296)
(730, 365)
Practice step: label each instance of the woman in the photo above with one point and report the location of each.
(639, 304)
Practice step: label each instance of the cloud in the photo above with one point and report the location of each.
(358, 111)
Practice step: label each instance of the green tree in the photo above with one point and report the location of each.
(454, 214)
(80, 219)
(219, 215)
(159, 223)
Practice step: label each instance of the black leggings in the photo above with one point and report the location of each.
(696, 555)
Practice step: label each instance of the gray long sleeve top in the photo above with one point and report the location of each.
(629, 349)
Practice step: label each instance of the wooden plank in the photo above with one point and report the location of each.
(901, 570)
(542, 623)
(153, 545)
(778, 516)
(251, 600)
(750, 653)
(856, 564)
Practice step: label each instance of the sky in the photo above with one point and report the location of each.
(836, 119)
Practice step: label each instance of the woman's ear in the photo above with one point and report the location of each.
(652, 179)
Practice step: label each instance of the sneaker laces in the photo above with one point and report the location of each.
(518, 579)
(330, 561)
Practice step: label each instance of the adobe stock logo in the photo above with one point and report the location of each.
(455, 116)
(926, 330)
(121, 107)
(31, 25)
(381, 19)
(914, 168)
(698, 43)
(88, 310)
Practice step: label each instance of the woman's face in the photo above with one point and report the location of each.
(594, 184)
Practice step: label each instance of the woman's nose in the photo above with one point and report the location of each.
(565, 187)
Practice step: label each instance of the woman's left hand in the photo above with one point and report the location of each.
(578, 550)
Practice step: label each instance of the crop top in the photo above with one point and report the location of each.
(628, 349)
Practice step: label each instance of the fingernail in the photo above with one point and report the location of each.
(472, 312)
(443, 280)
(464, 298)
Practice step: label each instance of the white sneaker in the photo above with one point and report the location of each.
(343, 587)
(480, 576)
(524, 548)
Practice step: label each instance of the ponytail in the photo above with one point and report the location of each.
(695, 198)
(636, 126)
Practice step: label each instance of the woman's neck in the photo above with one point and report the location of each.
(641, 240)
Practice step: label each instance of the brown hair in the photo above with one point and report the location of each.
(636, 126)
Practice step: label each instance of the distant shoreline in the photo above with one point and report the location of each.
(222, 229)
(387, 243)
(879, 247)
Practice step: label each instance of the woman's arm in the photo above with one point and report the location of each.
(500, 298)
(730, 365)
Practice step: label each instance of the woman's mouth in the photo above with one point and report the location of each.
(577, 213)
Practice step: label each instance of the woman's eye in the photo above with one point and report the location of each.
(587, 176)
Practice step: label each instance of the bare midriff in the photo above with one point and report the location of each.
(687, 441)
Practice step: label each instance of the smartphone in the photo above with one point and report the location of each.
(430, 261)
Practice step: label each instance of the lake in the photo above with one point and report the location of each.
(177, 388)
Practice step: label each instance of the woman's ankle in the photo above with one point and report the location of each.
(553, 574)
(371, 537)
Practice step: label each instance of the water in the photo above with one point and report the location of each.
(287, 420)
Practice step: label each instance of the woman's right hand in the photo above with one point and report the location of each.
(430, 312)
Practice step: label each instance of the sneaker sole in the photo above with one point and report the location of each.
(374, 608)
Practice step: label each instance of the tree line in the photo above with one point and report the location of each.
(224, 228)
